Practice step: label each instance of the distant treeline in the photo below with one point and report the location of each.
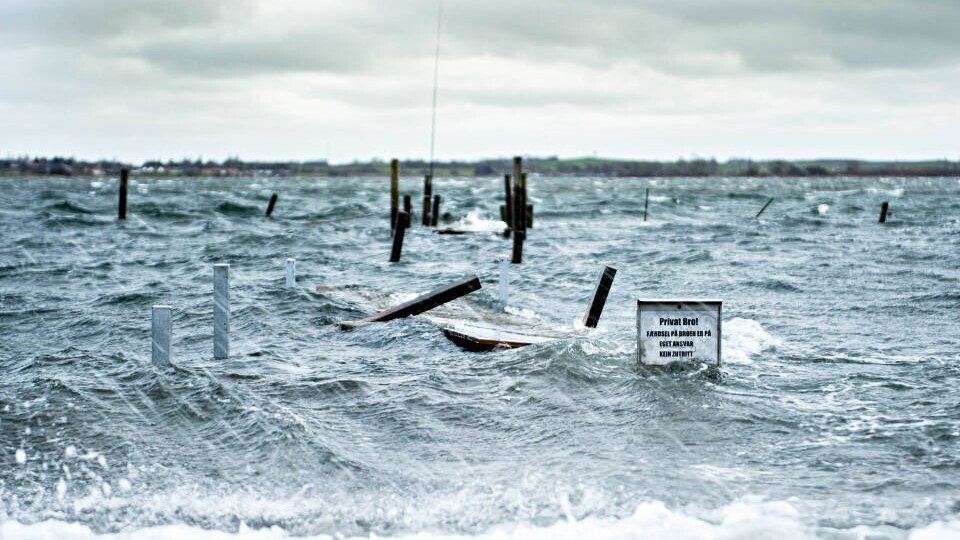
(41, 166)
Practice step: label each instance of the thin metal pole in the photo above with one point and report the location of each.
(646, 203)
(764, 208)
(436, 74)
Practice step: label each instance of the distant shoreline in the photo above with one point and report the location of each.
(550, 166)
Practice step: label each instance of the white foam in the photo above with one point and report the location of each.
(743, 339)
(748, 518)
(474, 222)
(823, 209)
(939, 530)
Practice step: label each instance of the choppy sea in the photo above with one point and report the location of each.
(835, 413)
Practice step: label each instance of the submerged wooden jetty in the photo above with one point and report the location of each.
(470, 325)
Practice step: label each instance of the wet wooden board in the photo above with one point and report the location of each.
(469, 325)
(487, 337)
(454, 230)
(478, 329)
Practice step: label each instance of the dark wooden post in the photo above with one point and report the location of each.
(522, 206)
(436, 210)
(518, 211)
(122, 204)
(883, 211)
(599, 297)
(407, 205)
(646, 203)
(426, 302)
(528, 222)
(764, 208)
(427, 194)
(394, 192)
(403, 221)
(509, 206)
(271, 204)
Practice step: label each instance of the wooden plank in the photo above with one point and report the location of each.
(599, 297)
(422, 303)
(477, 336)
(271, 204)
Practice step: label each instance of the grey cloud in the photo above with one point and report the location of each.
(72, 22)
(211, 38)
(766, 35)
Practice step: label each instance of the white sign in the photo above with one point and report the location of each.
(678, 330)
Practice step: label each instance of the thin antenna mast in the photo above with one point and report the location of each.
(436, 71)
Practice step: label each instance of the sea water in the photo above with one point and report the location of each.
(835, 413)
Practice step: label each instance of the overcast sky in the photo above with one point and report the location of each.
(353, 79)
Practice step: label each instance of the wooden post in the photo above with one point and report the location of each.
(523, 193)
(646, 203)
(221, 311)
(427, 195)
(509, 205)
(518, 210)
(271, 204)
(528, 222)
(407, 205)
(403, 220)
(425, 302)
(122, 204)
(394, 192)
(883, 211)
(435, 215)
(764, 208)
(291, 273)
(160, 333)
(599, 297)
(517, 172)
(521, 211)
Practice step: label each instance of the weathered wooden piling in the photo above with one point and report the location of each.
(517, 173)
(221, 311)
(291, 273)
(599, 297)
(884, 206)
(528, 221)
(394, 192)
(504, 281)
(271, 204)
(403, 221)
(408, 205)
(764, 208)
(521, 206)
(646, 203)
(519, 232)
(122, 203)
(508, 207)
(422, 303)
(435, 214)
(160, 335)
(427, 196)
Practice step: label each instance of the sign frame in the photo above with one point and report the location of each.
(680, 305)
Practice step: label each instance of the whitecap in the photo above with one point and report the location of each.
(743, 339)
